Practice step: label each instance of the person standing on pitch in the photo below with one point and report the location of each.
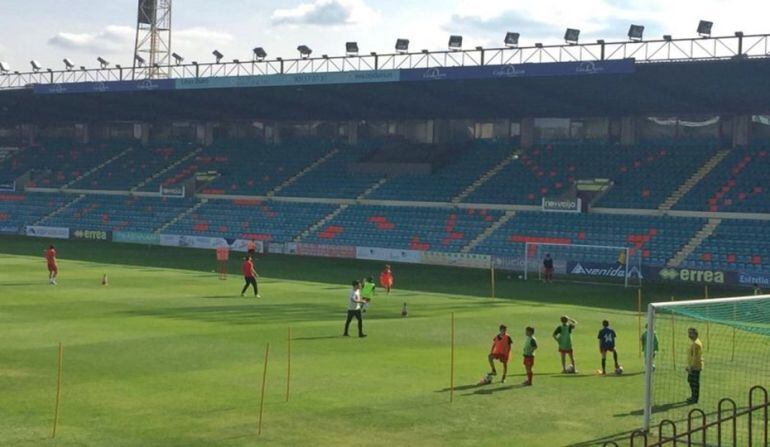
(530, 345)
(501, 350)
(607, 343)
(694, 365)
(53, 269)
(548, 268)
(563, 336)
(655, 347)
(367, 292)
(386, 279)
(354, 309)
(250, 276)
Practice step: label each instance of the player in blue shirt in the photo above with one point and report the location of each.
(607, 343)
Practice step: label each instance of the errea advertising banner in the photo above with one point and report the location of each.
(52, 232)
(699, 276)
(91, 235)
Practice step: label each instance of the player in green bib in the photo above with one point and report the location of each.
(367, 291)
(530, 345)
(563, 336)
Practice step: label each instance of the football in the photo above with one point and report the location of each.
(619, 370)
(570, 369)
(486, 380)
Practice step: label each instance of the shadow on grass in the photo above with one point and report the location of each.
(320, 337)
(255, 313)
(491, 390)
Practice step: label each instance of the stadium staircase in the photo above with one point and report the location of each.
(320, 223)
(59, 210)
(486, 176)
(486, 233)
(372, 188)
(122, 154)
(688, 185)
(303, 172)
(167, 169)
(181, 215)
(693, 244)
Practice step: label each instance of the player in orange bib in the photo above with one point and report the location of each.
(53, 269)
(386, 279)
(501, 350)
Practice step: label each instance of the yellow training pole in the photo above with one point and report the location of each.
(452, 361)
(264, 379)
(708, 325)
(288, 367)
(732, 356)
(639, 319)
(58, 391)
(493, 280)
(673, 338)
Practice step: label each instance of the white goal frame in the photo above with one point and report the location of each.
(627, 250)
(649, 355)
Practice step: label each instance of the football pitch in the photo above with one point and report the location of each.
(169, 355)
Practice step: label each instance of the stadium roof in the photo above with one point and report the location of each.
(718, 86)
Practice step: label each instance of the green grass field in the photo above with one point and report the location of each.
(168, 355)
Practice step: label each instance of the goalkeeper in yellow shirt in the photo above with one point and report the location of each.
(694, 365)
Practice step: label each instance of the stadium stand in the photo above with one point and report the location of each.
(657, 238)
(252, 219)
(729, 249)
(18, 210)
(415, 228)
(738, 184)
(643, 175)
(119, 213)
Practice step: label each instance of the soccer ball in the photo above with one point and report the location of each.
(486, 380)
(570, 369)
(521, 277)
(618, 370)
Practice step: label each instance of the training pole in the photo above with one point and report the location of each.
(58, 392)
(288, 366)
(639, 319)
(264, 379)
(673, 338)
(493, 280)
(452, 360)
(735, 311)
(708, 326)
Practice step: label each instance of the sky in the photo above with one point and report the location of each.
(82, 30)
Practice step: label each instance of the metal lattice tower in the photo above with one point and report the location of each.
(152, 50)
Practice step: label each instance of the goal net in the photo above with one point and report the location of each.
(584, 263)
(735, 334)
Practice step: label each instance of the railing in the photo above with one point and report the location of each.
(666, 50)
(698, 428)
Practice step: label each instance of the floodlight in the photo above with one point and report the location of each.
(4, 68)
(571, 35)
(351, 48)
(425, 51)
(704, 28)
(538, 45)
(139, 59)
(83, 67)
(35, 65)
(511, 40)
(104, 63)
(600, 41)
(179, 59)
(635, 32)
(324, 56)
(68, 64)
(455, 42)
(739, 34)
(667, 37)
(304, 51)
(218, 55)
(402, 45)
(259, 53)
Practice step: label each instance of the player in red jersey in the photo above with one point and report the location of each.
(249, 275)
(501, 350)
(53, 269)
(386, 279)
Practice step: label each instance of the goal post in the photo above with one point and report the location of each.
(735, 333)
(585, 263)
